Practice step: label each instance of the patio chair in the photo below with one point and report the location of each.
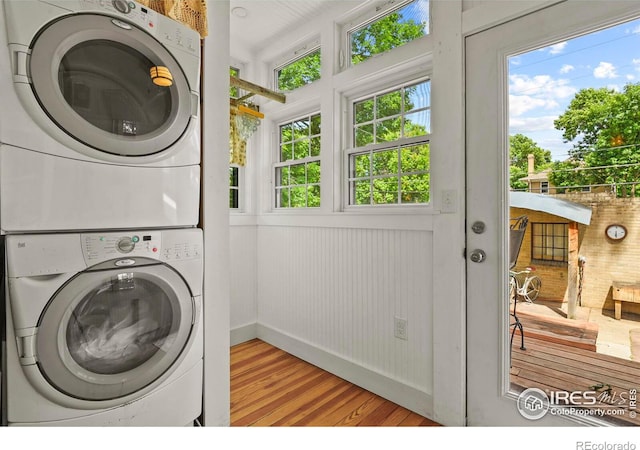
(516, 236)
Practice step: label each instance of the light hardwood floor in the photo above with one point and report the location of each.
(270, 387)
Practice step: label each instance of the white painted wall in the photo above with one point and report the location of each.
(215, 217)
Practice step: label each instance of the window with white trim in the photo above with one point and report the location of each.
(297, 173)
(234, 187)
(234, 92)
(389, 160)
(387, 27)
(302, 69)
(234, 169)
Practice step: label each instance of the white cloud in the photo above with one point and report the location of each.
(605, 70)
(557, 48)
(530, 124)
(520, 104)
(566, 68)
(630, 77)
(541, 91)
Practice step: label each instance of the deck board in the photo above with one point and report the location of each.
(552, 366)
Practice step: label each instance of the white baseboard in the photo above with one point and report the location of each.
(388, 388)
(243, 333)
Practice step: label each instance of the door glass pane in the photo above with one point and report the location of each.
(120, 325)
(109, 85)
(572, 145)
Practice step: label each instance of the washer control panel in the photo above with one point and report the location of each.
(145, 18)
(104, 246)
(166, 245)
(168, 31)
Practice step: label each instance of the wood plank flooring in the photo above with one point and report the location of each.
(553, 366)
(270, 387)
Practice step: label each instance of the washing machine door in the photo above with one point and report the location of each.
(110, 332)
(92, 76)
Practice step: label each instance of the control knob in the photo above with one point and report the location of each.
(125, 245)
(122, 6)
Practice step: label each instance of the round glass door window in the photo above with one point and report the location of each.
(93, 79)
(109, 333)
(108, 84)
(120, 325)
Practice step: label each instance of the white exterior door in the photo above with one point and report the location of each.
(489, 401)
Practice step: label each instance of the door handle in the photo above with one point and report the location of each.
(478, 256)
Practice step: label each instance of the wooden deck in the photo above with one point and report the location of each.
(270, 387)
(555, 364)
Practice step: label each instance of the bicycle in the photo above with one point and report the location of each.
(523, 286)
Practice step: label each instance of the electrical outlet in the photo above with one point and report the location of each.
(400, 328)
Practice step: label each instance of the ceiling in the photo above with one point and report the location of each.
(254, 24)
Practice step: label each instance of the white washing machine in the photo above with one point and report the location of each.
(104, 328)
(100, 98)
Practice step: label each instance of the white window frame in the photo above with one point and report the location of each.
(239, 67)
(279, 164)
(237, 188)
(376, 12)
(294, 55)
(351, 150)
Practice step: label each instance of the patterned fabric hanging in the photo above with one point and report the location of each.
(237, 145)
(192, 13)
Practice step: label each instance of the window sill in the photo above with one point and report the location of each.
(400, 219)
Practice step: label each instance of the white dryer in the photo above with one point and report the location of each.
(104, 328)
(92, 89)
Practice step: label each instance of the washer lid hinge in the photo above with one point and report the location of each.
(26, 340)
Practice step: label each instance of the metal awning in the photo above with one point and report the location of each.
(552, 205)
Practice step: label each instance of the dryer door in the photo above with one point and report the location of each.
(92, 76)
(109, 333)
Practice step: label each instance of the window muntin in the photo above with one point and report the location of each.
(389, 116)
(394, 28)
(297, 173)
(299, 72)
(389, 161)
(390, 176)
(550, 242)
(234, 187)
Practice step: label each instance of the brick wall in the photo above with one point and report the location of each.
(606, 261)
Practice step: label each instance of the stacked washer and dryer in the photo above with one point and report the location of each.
(99, 207)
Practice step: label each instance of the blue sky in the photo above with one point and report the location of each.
(543, 82)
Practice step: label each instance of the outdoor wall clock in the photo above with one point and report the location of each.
(616, 232)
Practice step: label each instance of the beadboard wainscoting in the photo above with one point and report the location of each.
(331, 296)
(243, 283)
